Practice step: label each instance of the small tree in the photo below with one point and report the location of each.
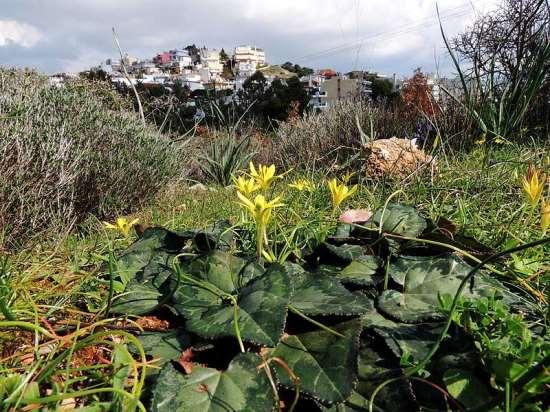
(223, 56)
(253, 89)
(417, 96)
(296, 68)
(382, 89)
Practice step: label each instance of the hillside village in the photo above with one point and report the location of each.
(204, 68)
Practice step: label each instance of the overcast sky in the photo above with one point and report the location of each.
(385, 35)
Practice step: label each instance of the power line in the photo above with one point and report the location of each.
(427, 22)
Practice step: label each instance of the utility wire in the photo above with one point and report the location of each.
(427, 22)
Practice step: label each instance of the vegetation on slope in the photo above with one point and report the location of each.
(70, 152)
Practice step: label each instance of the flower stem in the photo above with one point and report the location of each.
(236, 322)
(319, 324)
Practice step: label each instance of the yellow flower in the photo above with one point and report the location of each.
(302, 184)
(545, 215)
(245, 186)
(533, 185)
(122, 225)
(260, 208)
(340, 192)
(263, 176)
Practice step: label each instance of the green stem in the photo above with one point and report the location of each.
(302, 315)
(387, 274)
(422, 364)
(259, 240)
(111, 282)
(456, 249)
(236, 322)
(211, 288)
(390, 197)
(28, 326)
(508, 395)
(379, 388)
(55, 398)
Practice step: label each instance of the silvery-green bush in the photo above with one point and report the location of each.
(71, 151)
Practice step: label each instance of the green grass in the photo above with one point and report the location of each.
(60, 285)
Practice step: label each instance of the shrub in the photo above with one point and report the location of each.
(70, 151)
(321, 140)
(224, 157)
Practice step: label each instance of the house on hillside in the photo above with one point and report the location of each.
(327, 73)
(210, 59)
(248, 59)
(162, 59)
(180, 59)
(335, 89)
(145, 67)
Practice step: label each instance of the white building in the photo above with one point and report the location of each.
(180, 58)
(248, 59)
(191, 79)
(210, 59)
(145, 67)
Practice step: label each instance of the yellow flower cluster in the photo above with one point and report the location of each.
(122, 225)
(303, 185)
(533, 187)
(339, 192)
(259, 208)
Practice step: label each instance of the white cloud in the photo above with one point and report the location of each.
(22, 34)
(345, 34)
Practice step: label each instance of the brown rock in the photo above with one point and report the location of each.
(395, 158)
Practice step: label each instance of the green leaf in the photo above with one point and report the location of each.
(325, 363)
(137, 299)
(399, 219)
(424, 280)
(338, 255)
(240, 388)
(122, 361)
(466, 388)
(415, 340)
(262, 307)
(225, 271)
(374, 369)
(217, 236)
(325, 295)
(14, 386)
(361, 271)
(165, 346)
(145, 268)
(504, 370)
(140, 253)
(354, 403)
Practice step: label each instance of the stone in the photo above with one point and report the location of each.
(395, 159)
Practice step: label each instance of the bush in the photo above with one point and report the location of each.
(321, 140)
(67, 152)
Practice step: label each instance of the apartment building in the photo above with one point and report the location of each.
(248, 59)
(210, 59)
(334, 89)
(180, 58)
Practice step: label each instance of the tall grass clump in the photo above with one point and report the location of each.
(321, 140)
(67, 152)
(496, 103)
